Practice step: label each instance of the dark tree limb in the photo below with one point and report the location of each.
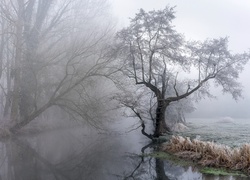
(142, 122)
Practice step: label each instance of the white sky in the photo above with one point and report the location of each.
(201, 19)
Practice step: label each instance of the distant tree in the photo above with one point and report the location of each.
(176, 111)
(157, 57)
(51, 51)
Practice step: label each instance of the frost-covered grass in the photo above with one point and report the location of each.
(210, 154)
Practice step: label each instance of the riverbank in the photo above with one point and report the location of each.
(210, 154)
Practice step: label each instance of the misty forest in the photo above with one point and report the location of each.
(78, 93)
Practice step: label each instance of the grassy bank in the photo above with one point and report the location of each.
(209, 154)
(205, 170)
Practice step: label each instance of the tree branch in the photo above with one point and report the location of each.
(175, 82)
(141, 120)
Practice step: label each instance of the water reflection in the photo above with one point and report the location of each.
(158, 169)
(78, 154)
(146, 168)
(69, 154)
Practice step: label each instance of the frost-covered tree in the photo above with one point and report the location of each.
(157, 57)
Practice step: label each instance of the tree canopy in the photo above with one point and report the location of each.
(156, 56)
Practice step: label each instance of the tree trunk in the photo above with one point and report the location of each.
(160, 124)
(17, 65)
(26, 121)
(159, 169)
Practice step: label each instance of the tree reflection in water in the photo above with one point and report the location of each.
(146, 167)
(74, 156)
(60, 156)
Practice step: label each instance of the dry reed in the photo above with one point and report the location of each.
(209, 153)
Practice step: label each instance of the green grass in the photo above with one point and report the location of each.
(174, 159)
(221, 172)
(162, 155)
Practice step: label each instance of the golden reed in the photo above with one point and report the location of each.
(209, 153)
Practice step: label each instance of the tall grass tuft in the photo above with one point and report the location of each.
(210, 154)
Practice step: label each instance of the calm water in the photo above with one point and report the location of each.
(81, 154)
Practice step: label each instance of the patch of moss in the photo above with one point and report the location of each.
(162, 155)
(221, 172)
(174, 159)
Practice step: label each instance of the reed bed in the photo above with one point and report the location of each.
(210, 154)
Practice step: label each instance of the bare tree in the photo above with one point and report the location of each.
(55, 49)
(157, 57)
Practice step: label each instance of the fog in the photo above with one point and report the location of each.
(89, 89)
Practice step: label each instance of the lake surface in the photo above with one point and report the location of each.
(81, 154)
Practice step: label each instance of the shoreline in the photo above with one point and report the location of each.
(209, 154)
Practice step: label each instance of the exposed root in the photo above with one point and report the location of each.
(210, 154)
